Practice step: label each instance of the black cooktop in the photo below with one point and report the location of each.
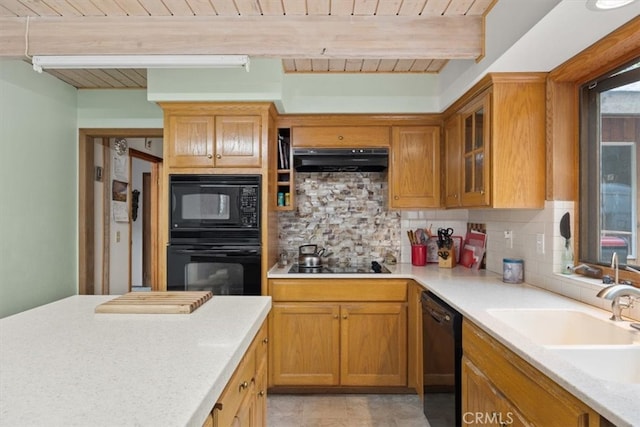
(326, 269)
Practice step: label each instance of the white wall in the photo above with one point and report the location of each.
(98, 219)
(38, 188)
(138, 167)
(541, 269)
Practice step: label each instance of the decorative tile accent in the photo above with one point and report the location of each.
(346, 213)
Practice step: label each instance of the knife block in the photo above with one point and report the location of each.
(450, 262)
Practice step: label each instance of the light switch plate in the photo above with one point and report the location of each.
(540, 243)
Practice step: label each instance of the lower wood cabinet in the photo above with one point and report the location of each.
(349, 344)
(483, 403)
(243, 402)
(339, 342)
(501, 389)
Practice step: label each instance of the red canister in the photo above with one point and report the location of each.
(419, 255)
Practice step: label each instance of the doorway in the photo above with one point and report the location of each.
(103, 221)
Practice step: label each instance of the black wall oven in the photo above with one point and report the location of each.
(224, 270)
(214, 234)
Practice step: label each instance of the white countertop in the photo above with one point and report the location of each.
(61, 364)
(473, 293)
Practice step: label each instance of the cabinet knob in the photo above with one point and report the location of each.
(209, 156)
(218, 156)
(396, 197)
(266, 340)
(243, 386)
(345, 317)
(261, 393)
(340, 137)
(335, 316)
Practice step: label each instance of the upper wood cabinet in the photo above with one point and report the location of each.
(453, 160)
(476, 156)
(500, 127)
(189, 140)
(237, 141)
(212, 136)
(340, 136)
(414, 167)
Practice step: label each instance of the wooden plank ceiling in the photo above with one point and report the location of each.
(309, 36)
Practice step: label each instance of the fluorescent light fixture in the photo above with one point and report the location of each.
(139, 61)
(607, 4)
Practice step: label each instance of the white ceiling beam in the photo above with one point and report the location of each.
(361, 37)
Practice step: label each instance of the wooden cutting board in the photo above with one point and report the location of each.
(155, 302)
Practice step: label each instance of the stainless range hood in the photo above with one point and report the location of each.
(340, 159)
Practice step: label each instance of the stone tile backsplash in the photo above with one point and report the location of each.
(346, 213)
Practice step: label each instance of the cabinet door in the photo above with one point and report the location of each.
(373, 344)
(476, 158)
(190, 141)
(260, 396)
(238, 141)
(305, 344)
(453, 161)
(414, 170)
(415, 376)
(483, 404)
(245, 417)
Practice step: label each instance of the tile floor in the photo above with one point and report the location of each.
(345, 410)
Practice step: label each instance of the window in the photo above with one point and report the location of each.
(609, 139)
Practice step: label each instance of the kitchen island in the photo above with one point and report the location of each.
(61, 364)
(475, 293)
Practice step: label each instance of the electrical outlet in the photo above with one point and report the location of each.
(540, 243)
(508, 239)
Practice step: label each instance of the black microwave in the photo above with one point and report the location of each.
(214, 209)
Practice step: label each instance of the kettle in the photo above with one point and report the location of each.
(309, 256)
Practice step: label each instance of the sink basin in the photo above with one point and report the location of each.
(618, 364)
(565, 327)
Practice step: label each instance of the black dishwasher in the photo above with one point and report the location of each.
(441, 355)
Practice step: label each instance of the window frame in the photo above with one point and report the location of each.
(589, 149)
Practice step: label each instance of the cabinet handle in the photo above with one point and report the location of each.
(243, 386)
(218, 156)
(209, 156)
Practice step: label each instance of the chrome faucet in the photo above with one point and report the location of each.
(614, 265)
(615, 293)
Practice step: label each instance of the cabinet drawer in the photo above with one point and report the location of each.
(260, 344)
(341, 136)
(338, 290)
(236, 390)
